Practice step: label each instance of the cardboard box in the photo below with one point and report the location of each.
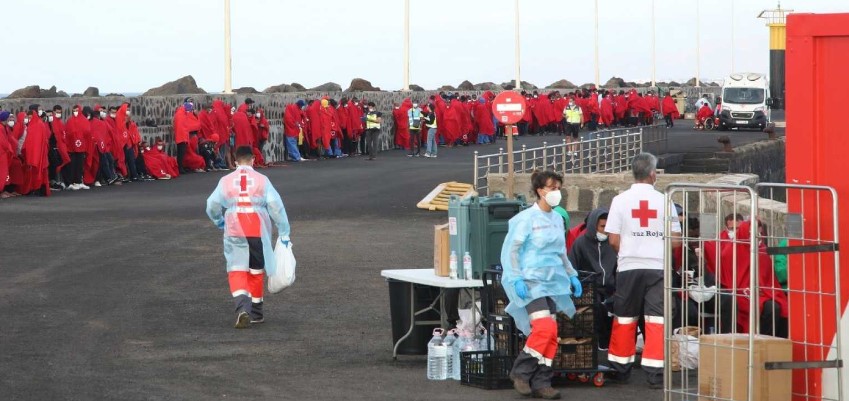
(441, 250)
(723, 370)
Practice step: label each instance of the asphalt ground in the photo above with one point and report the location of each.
(120, 293)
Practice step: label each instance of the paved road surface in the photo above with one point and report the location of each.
(120, 293)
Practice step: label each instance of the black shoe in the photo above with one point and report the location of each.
(242, 320)
(521, 386)
(618, 378)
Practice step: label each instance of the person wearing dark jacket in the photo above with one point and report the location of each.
(591, 253)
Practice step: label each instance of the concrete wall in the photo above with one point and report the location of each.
(766, 159)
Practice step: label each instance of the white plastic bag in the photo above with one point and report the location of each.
(686, 346)
(284, 276)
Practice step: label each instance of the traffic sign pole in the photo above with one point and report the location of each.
(509, 108)
(511, 176)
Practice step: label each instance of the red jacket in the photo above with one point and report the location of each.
(184, 122)
(242, 127)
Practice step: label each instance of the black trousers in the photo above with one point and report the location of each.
(669, 121)
(77, 162)
(130, 161)
(371, 139)
(527, 367)
(181, 154)
(107, 166)
(415, 141)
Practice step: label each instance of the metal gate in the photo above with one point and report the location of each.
(728, 308)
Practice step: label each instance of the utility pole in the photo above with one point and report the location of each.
(406, 45)
(518, 52)
(228, 65)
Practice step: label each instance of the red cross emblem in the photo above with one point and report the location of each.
(244, 182)
(644, 214)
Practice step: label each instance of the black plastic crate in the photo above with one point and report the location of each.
(588, 285)
(483, 369)
(576, 354)
(508, 339)
(493, 297)
(580, 325)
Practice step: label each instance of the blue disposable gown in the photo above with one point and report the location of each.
(535, 251)
(266, 202)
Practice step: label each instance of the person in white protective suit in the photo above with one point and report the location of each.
(538, 280)
(244, 205)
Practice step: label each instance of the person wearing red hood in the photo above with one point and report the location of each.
(702, 115)
(221, 118)
(119, 142)
(734, 263)
(104, 142)
(7, 154)
(669, 110)
(483, 118)
(355, 127)
(58, 153)
(34, 152)
(335, 129)
(402, 124)
(77, 134)
(185, 122)
(452, 122)
(606, 110)
(292, 129)
(158, 163)
(130, 145)
(325, 129)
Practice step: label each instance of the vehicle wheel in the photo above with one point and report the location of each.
(572, 376)
(709, 124)
(598, 379)
(583, 378)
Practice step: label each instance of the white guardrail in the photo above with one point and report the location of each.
(608, 151)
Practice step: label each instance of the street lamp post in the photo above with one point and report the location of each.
(733, 65)
(653, 48)
(228, 70)
(698, 45)
(597, 77)
(518, 52)
(406, 45)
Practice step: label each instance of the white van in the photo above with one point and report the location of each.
(745, 101)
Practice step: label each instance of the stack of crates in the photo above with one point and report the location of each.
(578, 336)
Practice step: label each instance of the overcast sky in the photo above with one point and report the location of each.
(131, 46)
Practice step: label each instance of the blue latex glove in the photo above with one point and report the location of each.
(577, 289)
(220, 225)
(521, 288)
(285, 242)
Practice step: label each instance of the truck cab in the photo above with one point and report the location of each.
(745, 102)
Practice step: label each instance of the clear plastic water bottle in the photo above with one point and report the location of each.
(449, 341)
(452, 265)
(467, 266)
(455, 371)
(436, 357)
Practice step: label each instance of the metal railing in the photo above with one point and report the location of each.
(608, 151)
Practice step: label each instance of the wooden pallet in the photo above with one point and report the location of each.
(438, 198)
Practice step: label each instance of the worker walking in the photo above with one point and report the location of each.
(373, 121)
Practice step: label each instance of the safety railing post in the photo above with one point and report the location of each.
(475, 181)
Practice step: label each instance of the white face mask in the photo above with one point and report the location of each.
(147, 148)
(76, 113)
(128, 112)
(50, 119)
(102, 114)
(112, 115)
(553, 198)
(40, 113)
(415, 105)
(160, 147)
(26, 121)
(233, 111)
(257, 115)
(58, 115)
(11, 124)
(731, 234)
(601, 237)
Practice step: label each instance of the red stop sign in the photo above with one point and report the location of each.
(509, 107)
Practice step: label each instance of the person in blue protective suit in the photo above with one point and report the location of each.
(245, 205)
(538, 280)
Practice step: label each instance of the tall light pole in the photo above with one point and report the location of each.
(518, 52)
(698, 44)
(406, 45)
(228, 68)
(653, 47)
(597, 78)
(733, 66)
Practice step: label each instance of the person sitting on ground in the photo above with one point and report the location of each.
(159, 164)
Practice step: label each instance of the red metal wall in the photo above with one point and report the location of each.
(817, 153)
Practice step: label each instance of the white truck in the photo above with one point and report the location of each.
(745, 102)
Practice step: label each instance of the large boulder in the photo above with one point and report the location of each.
(562, 84)
(30, 92)
(91, 92)
(673, 83)
(183, 86)
(245, 90)
(416, 88)
(114, 95)
(510, 85)
(282, 88)
(299, 87)
(615, 82)
(466, 86)
(328, 87)
(487, 86)
(691, 82)
(62, 94)
(447, 88)
(361, 85)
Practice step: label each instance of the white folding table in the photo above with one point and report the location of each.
(428, 278)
